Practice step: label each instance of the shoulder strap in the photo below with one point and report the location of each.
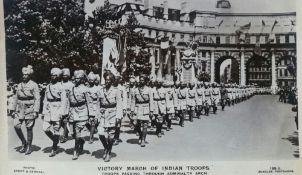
(74, 95)
(140, 93)
(51, 92)
(105, 96)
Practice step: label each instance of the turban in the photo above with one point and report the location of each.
(56, 71)
(91, 76)
(79, 74)
(66, 71)
(28, 70)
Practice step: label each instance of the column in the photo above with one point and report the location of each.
(177, 64)
(160, 69)
(242, 69)
(212, 67)
(274, 76)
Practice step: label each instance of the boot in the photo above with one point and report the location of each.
(144, 135)
(191, 115)
(110, 143)
(65, 133)
(81, 145)
(54, 146)
(169, 123)
(91, 135)
(181, 121)
(29, 141)
(117, 136)
(214, 109)
(22, 138)
(104, 143)
(75, 152)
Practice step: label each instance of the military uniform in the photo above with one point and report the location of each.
(142, 106)
(111, 109)
(79, 111)
(94, 108)
(207, 99)
(171, 103)
(182, 95)
(191, 102)
(160, 108)
(200, 98)
(54, 108)
(25, 109)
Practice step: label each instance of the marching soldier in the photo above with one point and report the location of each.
(215, 96)
(182, 94)
(54, 108)
(25, 108)
(207, 98)
(142, 107)
(130, 91)
(224, 96)
(94, 110)
(200, 98)
(79, 110)
(159, 98)
(121, 87)
(171, 103)
(111, 108)
(191, 101)
(67, 84)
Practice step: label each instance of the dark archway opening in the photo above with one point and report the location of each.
(227, 70)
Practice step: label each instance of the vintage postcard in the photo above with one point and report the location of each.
(150, 87)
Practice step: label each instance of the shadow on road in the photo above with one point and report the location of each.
(34, 148)
(48, 150)
(294, 140)
(100, 153)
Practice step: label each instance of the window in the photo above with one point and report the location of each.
(158, 12)
(286, 73)
(173, 14)
(204, 54)
(191, 38)
(204, 66)
(227, 40)
(182, 36)
(157, 33)
(149, 32)
(281, 73)
(173, 35)
(205, 39)
(218, 40)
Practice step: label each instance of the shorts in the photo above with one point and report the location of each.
(55, 125)
(78, 128)
(106, 131)
(29, 123)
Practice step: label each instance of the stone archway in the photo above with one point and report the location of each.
(259, 71)
(231, 72)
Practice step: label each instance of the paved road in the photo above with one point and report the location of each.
(258, 129)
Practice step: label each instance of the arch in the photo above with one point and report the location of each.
(258, 70)
(235, 73)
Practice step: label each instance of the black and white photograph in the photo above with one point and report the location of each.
(112, 81)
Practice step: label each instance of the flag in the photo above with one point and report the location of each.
(243, 28)
(276, 22)
(220, 23)
(263, 23)
(122, 45)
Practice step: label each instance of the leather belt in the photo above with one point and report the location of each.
(77, 104)
(25, 98)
